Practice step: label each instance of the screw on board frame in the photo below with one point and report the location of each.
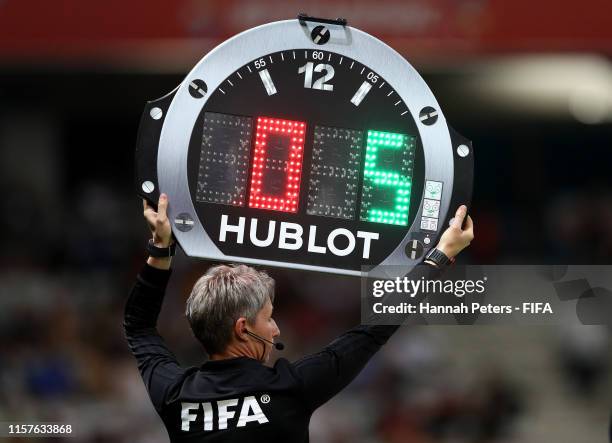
(197, 88)
(463, 150)
(428, 115)
(148, 186)
(156, 113)
(320, 35)
(183, 222)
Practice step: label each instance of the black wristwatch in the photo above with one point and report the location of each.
(157, 252)
(438, 257)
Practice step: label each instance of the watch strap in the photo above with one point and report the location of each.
(155, 251)
(438, 257)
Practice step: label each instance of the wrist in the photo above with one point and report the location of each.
(157, 251)
(447, 250)
(162, 263)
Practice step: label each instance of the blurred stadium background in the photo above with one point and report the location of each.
(529, 82)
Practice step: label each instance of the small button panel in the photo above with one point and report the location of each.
(431, 205)
(431, 208)
(429, 224)
(433, 190)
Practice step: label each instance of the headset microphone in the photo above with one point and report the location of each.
(278, 345)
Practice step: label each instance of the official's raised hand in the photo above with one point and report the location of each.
(158, 221)
(455, 238)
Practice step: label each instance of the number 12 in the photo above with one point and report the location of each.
(319, 83)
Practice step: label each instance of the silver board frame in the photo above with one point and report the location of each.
(287, 35)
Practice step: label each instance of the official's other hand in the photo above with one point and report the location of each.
(455, 239)
(158, 222)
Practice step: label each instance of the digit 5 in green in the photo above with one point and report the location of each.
(387, 178)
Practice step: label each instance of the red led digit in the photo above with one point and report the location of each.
(277, 164)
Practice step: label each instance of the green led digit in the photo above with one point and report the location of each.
(385, 195)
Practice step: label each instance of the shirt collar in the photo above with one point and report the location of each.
(230, 363)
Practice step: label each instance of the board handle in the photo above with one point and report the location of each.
(147, 144)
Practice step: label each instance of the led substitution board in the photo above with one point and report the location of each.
(305, 144)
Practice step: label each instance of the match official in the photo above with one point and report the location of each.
(234, 397)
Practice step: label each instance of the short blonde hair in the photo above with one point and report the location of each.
(223, 295)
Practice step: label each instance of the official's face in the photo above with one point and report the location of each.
(265, 326)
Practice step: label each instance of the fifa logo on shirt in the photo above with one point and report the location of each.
(249, 412)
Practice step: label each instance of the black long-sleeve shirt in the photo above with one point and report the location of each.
(240, 399)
